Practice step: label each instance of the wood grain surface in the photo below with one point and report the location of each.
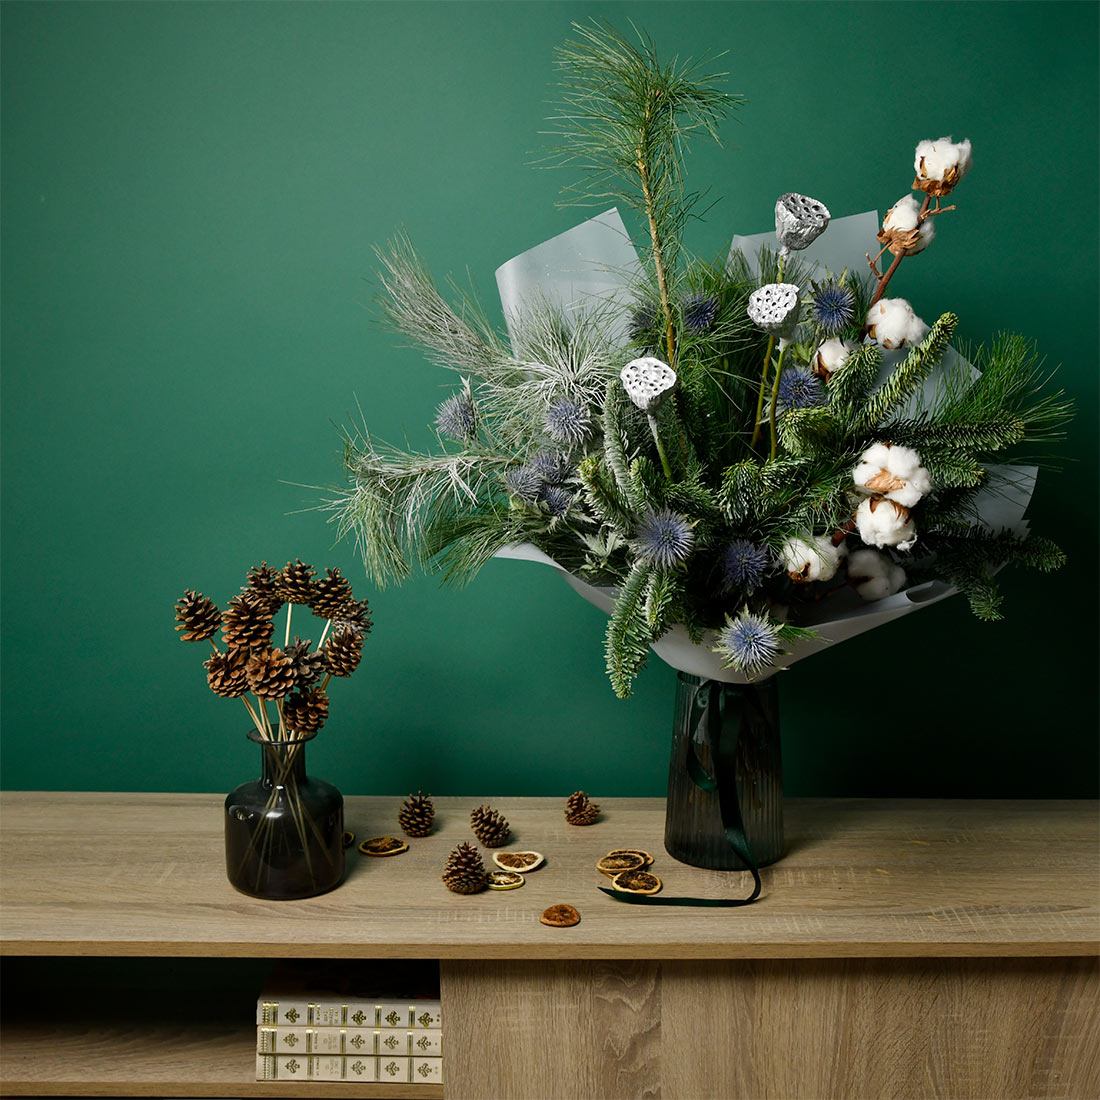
(852, 1029)
(143, 874)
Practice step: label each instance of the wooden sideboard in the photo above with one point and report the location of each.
(917, 948)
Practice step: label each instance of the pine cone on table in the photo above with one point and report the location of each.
(580, 809)
(330, 595)
(416, 815)
(306, 711)
(296, 582)
(490, 827)
(225, 673)
(270, 674)
(464, 871)
(198, 617)
(246, 623)
(343, 651)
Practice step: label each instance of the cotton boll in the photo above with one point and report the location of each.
(892, 323)
(940, 165)
(903, 230)
(873, 575)
(832, 355)
(894, 472)
(903, 215)
(883, 522)
(812, 559)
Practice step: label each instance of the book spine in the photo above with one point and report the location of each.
(417, 1042)
(335, 1067)
(333, 1012)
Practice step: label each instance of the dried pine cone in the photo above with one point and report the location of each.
(354, 615)
(225, 673)
(306, 712)
(580, 809)
(343, 652)
(490, 827)
(265, 583)
(197, 616)
(308, 667)
(331, 595)
(246, 623)
(464, 871)
(270, 674)
(416, 814)
(296, 582)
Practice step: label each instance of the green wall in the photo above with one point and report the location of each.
(190, 196)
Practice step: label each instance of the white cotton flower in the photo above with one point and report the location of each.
(903, 230)
(832, 355)
(812, 559)
(940, 165)
(891, 323)
(884, 522)
(647, 381)
(894, 472)
(873, 575)
(774, 307)
(799, 220)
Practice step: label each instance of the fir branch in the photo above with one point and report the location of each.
(741, 496)
(628, 636)
(994, 433)
(616, 439)
(662, 600)
(646, 485)
(604, 497)
(850, 384)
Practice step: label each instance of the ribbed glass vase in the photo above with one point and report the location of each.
(284, 831)
(694, 832)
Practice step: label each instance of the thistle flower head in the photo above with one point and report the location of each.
(664, 539)
(457, 417)
(556, 499)
(700, 312)
(744, 564)
(567, 421)
(749, 643)
(832, 307)
(799, 389)
(551, 467)
(643, 321)
(523, 482)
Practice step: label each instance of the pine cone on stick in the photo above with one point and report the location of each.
(330, 595)
(246, 623)
(343, 651)
(309, 667)
(580, 809)
(306, 711)
(464, 871)
(225, 673)
(264, 584)
(490, 827)
(296, 582)
(270, 674)
(354, 615)
(198, 617)
(416, 814)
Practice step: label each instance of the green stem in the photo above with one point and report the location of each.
(758, 422)
(775, 395)
(660, 446)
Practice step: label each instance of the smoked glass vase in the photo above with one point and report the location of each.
(694, 828)
(284, 831)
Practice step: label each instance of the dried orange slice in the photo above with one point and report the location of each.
(518, 861)
(614, 862)
(348, 839)
(560, 916)
(383, 846)
(504, 880)
(637, 882)
(634, 851)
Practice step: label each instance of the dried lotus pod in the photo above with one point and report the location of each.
(416, 815)
(198, 617)
(799, 220)
(490, 827)
(580, 809)
(774, 308)
(648, 381)
(464, 872)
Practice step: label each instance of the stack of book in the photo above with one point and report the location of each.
(347, 1027)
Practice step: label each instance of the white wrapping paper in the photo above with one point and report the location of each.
(594, 264)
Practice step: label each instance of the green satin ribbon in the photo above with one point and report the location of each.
(722, 728)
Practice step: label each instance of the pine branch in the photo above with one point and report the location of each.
(628, 636)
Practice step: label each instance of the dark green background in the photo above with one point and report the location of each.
(190, 196)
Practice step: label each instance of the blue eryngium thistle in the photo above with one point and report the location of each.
(643, 321)
(799, 388)
(744, 564)
(832, 307)
(553, 468)
(567, 421)
(556, 499)
(749, 643)
(457, 417)
(523, 482)
(700, 312)
(664, 539)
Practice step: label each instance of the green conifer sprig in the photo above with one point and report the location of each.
(628, 632)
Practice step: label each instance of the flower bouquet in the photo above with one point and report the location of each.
(740, 460)
(283, 832)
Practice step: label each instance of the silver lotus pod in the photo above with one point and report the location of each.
(648, 381)
(774, 308)
(799, 220)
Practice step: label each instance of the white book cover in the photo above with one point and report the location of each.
(421, 1042)
(335, 1067)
